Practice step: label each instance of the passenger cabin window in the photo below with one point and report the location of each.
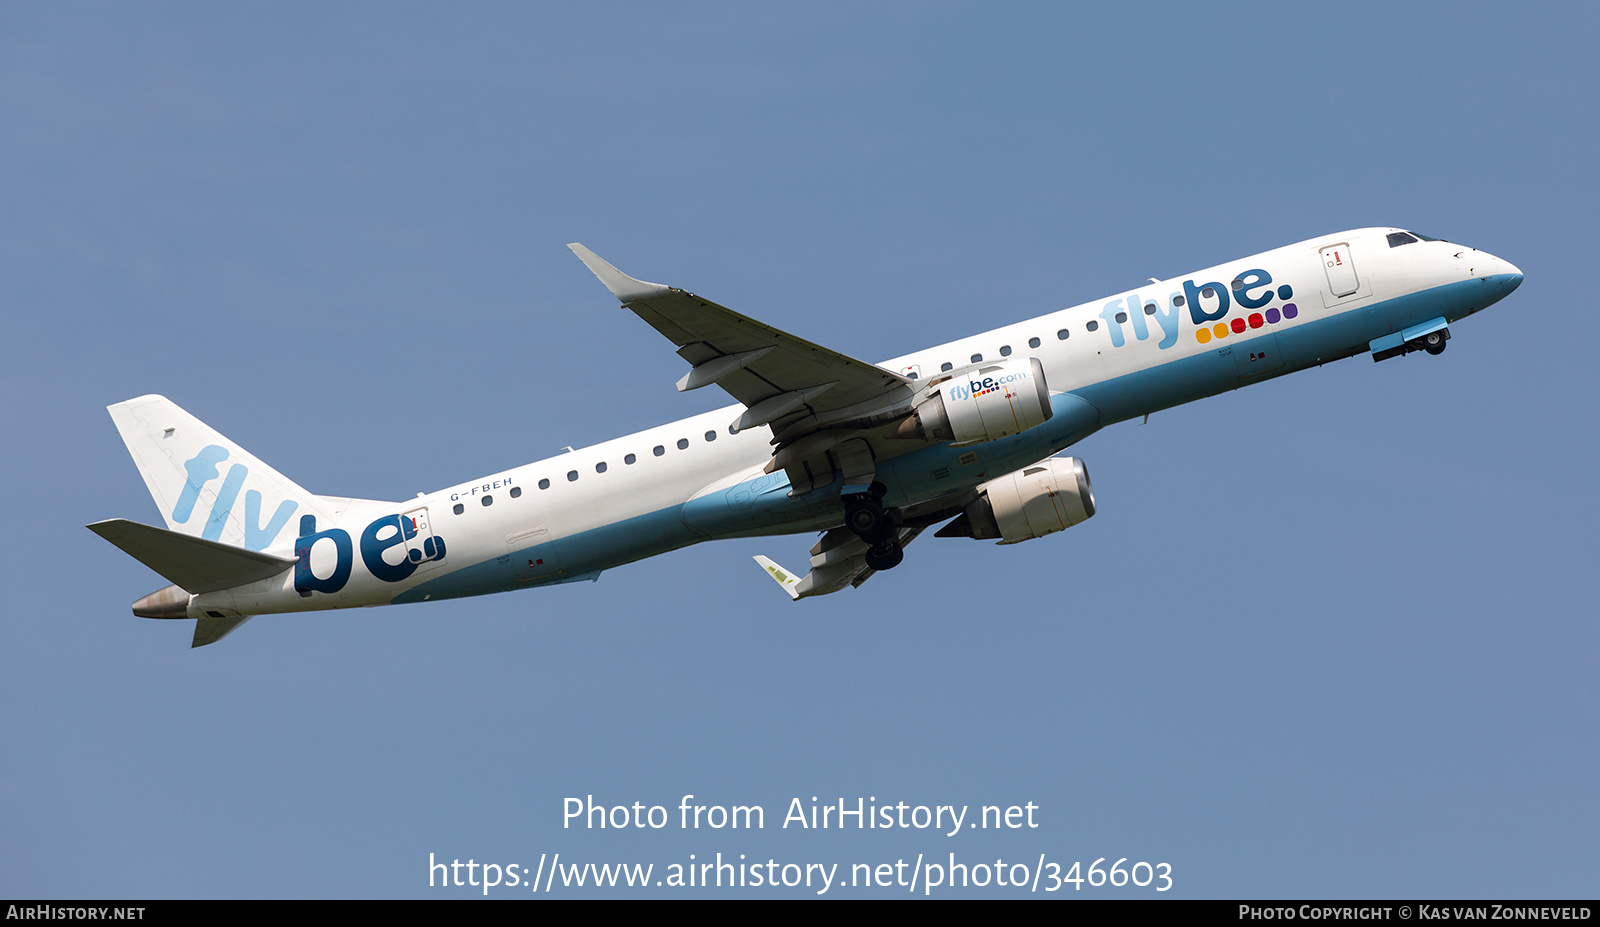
(488, 501)
(683, 444)
(976, 358)
(658, 450)
(711, 436)
(1033, 342)
(600, 467)
(459, 508)
(1005, 351)
(1092, 326)
(516, 492)
(945, 367)
(1396, 239)
(572, 476)
(1062, 335)
(630, 460)
(544, 484)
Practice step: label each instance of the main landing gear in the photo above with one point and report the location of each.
(1434, 342)
(879, 527)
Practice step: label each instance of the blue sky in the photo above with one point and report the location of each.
(1330, 636)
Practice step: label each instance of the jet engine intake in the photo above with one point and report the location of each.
(986, 403)
(1049, 496)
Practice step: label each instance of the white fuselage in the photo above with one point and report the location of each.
(1141, 350)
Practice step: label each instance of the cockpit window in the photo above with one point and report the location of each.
(1426, 238)
(1396, 239)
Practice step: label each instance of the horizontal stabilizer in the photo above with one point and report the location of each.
(211, 630)
(196, 564)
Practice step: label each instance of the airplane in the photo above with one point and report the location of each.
(868, 455)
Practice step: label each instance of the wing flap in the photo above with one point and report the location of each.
(838, 560)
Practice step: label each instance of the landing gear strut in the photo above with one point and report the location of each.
(866, 517)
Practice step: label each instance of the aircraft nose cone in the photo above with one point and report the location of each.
(1505, 273)
(1497, 272)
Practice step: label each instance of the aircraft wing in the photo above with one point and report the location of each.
(837, 560)
(783, 381)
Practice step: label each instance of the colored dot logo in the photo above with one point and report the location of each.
(1221, 330)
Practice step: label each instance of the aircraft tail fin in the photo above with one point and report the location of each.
(205, 485)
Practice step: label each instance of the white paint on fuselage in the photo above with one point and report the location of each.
(652, 484)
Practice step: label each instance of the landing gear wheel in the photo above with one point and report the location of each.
(885, 556)
(865, 517)
(1434, 342)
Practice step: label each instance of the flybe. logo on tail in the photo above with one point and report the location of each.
(1208, 305)
(411, 529)
(202, 469)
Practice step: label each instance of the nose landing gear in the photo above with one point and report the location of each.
(1431, 336)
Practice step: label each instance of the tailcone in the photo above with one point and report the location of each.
(171, 602)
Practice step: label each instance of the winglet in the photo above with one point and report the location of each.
(623, 287)
(781, 576)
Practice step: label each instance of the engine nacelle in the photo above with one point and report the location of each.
(986, 403)
(1046, 497)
